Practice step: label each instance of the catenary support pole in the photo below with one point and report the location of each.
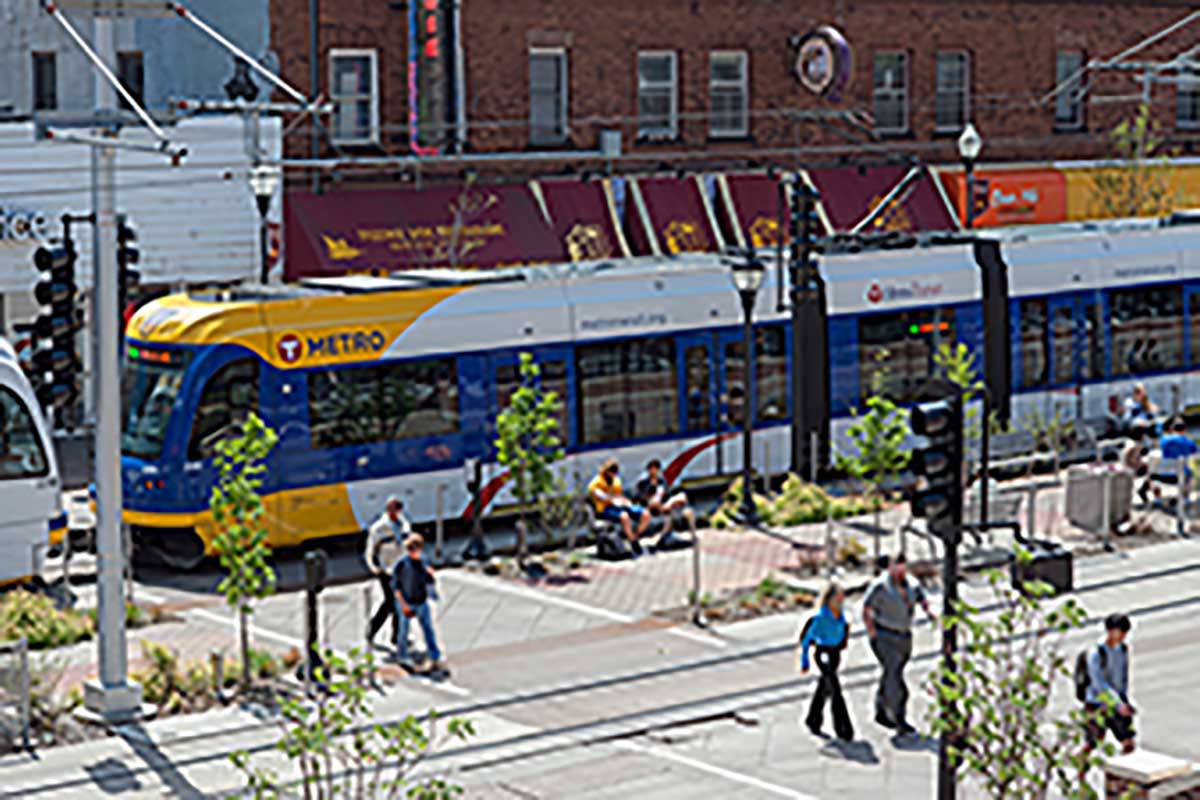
(112, 697)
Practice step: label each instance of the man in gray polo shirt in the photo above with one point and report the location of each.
(888, 616)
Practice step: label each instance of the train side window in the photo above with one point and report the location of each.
(698, 387)
(552, 377)
(405, 400)
(626, 390)
(770, 375)
(896, 351)
(1035, 364)
(1147, 329)
(1064, 345)
(21, 451)
(1093, 352)
(1194, 313)
(228, 397)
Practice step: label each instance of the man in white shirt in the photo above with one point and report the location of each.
(384, 541)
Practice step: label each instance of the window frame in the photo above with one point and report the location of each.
(671, 130)
(38, 441)
(1077, 122)
(1189, 84)
(126, 59)
(372, 96)
(195, 450)
(963, 91)
(876, 92)
(562, 132)
(38, 57)
(742, 85)
(623, 346)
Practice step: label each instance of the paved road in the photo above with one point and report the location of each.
(577, 700)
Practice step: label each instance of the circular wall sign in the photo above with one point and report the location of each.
(823, 62)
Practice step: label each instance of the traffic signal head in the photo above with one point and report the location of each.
(54, 356)
(939, 494)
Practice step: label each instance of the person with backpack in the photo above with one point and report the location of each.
(829, 632)
(1102, 685)
(383, 543)
(412, 581)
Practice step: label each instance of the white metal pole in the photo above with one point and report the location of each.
(113, 697)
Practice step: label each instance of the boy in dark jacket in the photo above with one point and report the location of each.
(411, 582)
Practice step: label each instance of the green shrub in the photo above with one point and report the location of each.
(41, 622)
(799, 503)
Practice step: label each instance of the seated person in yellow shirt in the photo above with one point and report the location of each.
(610, 502)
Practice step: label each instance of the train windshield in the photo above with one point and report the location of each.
(149, 391)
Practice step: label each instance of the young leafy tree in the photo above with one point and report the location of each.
(879, 436)
(241, 540)
(1134, 182)
(996, 703)
(342, 751)
(527, 437)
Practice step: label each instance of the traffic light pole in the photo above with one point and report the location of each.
(947, 768)
(112, 697)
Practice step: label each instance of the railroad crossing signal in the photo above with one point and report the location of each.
(55, 367)
(938, 466)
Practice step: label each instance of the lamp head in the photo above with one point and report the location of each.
(969, 143)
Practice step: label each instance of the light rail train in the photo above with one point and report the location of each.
(391, 385)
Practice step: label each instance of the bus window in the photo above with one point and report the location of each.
(1093, 352)
(228, 397)
(1034, 362)
(21, 453)
(363, 405)
(698, 387)
(1147, 329)
(895, 351)
(552, 377)
(626, 390)
(770, 375)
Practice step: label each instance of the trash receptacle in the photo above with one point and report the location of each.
(1085, 496)
(1052, 564)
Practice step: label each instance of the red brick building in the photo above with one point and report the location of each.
(705, 83)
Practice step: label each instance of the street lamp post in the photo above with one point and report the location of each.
(263, 180)
(969, 145)
(747, 276)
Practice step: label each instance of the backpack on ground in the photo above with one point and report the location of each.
(612, 547)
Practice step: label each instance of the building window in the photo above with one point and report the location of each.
(354, 78)
(547, 96)
(390, 402)
(1068, 108)
(1187, 101)
(132, 76)
(953, 87)
(657, 98)
(626, 390)
(728, 94)
(45, 82)
(891, 92)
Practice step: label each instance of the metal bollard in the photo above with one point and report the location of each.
(26, 688)
(698, 617)
(68, 549)
(217, 660)
(367, 650)
(308, 652)
(440, 524)
(1181, 501)
(1106, 510)
(1031, 511)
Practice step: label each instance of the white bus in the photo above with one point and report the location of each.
(31, 518)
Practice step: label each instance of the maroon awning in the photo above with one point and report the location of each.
(583, 217)
(670, 215)
(849, 194)
(336, 233)
(749, 209)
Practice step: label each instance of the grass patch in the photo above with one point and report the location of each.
(798, 503)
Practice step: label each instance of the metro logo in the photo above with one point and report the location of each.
(877, 293)
(874, 293)
(289, 348)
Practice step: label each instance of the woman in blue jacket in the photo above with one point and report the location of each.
(828, 631)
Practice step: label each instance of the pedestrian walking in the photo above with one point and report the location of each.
(829, 632)
(888, 615)
(413, 582)
(385, 537)
(1102, 683)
